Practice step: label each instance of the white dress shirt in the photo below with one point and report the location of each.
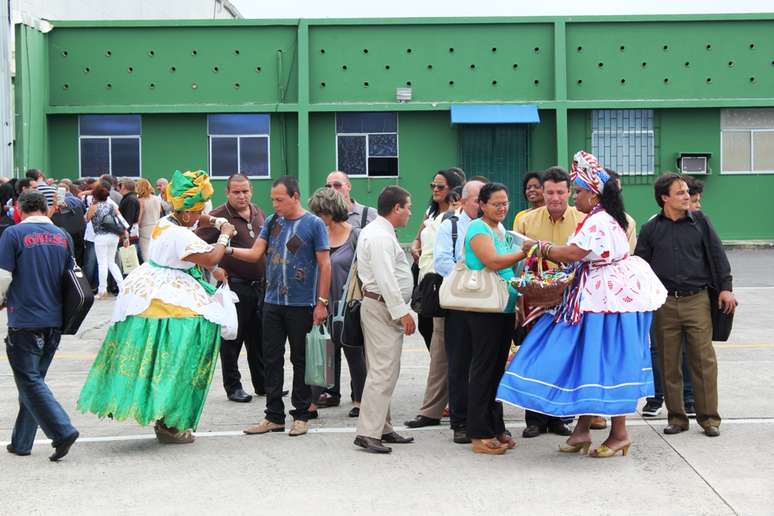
(383, 268)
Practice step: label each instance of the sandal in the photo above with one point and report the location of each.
(489, 446)
(506, 439)
(167, 435)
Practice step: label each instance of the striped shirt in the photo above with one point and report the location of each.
(49, 192)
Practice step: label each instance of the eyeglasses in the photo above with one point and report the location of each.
(250, 230)
(438, 186)
(499, 205)
(335, 185)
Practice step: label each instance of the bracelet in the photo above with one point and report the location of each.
(223, 240)
(229, 251)
(323, 300)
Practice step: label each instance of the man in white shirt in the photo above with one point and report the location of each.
(385, 274)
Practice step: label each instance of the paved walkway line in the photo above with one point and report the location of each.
(351, 430)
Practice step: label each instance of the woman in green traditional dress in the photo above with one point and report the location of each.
(158, 357)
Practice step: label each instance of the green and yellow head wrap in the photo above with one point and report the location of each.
(188, 191)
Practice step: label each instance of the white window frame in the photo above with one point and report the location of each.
(239, 149)
(651, 132)
(397, 147)
(110, 139)
(752, 152)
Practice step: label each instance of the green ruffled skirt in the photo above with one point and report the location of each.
(153, 368)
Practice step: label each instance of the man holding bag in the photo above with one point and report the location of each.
(385, 274)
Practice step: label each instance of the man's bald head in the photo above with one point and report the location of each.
(339, 181)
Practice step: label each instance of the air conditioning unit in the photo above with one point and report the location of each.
(694, 163)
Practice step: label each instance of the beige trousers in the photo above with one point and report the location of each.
(437, 387)
(383, 346)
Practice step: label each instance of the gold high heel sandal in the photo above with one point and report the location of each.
(603, 452)
(575, 448)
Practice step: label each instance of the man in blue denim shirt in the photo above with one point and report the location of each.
(298, 275)
(458, 339)
(33, 257)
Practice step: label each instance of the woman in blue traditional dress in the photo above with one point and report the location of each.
(157, 360)
(591, 355)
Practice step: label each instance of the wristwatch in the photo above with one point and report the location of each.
(322, 300)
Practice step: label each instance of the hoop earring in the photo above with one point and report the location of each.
(186, 217)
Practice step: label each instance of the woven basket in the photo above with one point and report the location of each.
(537, 291)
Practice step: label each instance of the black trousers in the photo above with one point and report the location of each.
(491, 341)
(280, 324)
(249, 314)
(458, 341)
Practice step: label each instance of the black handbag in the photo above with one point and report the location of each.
(425, 296)
(77, 299)
(345, 321)
(722, 323)
(109, 222)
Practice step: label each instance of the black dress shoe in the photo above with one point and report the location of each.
(532, 431)
(326, 400)
(396, 438)
(13, 450)
(712, 431)
(371, 445)
(355, 412)
(240, 396)
(63, 448)
(461, 436)
(673, 429)
(559, 429)
(420, 421)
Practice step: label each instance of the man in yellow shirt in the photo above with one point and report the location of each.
(554, 222)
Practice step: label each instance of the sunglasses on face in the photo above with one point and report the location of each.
(438, 186)
(335, 185)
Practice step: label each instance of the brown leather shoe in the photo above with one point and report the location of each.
(299, 428)
(712, 431)
(598, 423)
(396, 438)
(263, 427)
(371, 445)
(674, 429)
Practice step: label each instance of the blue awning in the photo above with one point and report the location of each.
(494, 114)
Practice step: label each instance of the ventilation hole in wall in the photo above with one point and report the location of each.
(257, 69)
(65, 53)
(152, 85)
(109, 86)
(343, 67)
(194, 86)
(236, 51)
(579, 81)
(752, 46)
(408, 83)
(386, 67)
(772, 63)
(579, 49)
(236, 85)
(494, 83)
(108, 53)
(408, 50)
(194, 52)
(537, 50)
(622, 48)
(666, 80)
(129, 70)
(365, 84)
(600, 64)
(365, 50)
(451, 83)
(429, 67)
(709, 80)
(322, 50)
(515, 66)
(215, 69)
(451, 49)
(172, 69)
(752, 79)
(666, 47)
(322, 85)
(536, 82)
(472, 67)
(623, 81)
(708, 47)
(644, 64)
(731, 64)
(151, 53)
(66, 86)
(494, 49)
(687, 64)
(86, 70)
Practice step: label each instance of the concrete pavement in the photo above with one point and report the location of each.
(118, 468)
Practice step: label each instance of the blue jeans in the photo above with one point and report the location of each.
(30, 353)
(90, 262)
(657, 376)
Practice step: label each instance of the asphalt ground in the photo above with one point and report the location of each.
(119, 468)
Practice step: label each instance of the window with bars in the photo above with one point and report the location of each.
(239, 143)
(747, 140)
(367, 144)
(624, 140)
(109, 144)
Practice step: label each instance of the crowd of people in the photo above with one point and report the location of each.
(634, 322)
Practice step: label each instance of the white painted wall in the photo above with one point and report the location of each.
(24, 10)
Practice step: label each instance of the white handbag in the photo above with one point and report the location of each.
(473, 291)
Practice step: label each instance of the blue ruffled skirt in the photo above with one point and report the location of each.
(601, 366)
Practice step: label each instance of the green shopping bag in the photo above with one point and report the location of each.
(319, 358)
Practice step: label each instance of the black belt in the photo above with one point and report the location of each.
(685, 293)
(259, 283)
(371, 295)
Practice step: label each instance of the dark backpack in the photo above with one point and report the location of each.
(424, 298)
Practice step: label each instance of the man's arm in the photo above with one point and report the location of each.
(443, 258)
(643, 249)
(323, 286)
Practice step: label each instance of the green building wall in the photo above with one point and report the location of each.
(302, 72)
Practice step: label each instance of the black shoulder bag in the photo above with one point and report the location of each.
(424, 298)
(722, 323)
(77, 297)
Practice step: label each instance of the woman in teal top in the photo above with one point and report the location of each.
(487, 244)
